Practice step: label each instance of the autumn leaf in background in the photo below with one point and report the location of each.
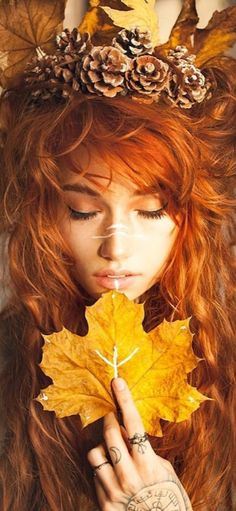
(105, 18)
(25, 26)
(209, 42)
(155, 365)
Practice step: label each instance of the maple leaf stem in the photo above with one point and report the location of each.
(114, 364)
(115, 358)
(128, 358)
(104, 358)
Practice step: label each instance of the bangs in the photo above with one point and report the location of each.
(150, 148)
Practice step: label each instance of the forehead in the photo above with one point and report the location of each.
(89, 167)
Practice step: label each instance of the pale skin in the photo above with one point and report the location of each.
(113, 229)
(135, 479)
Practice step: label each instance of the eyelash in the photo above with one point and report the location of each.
(151, 215)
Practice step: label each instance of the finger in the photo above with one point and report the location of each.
(101, 493)
(123, 464)
(125, 438)
(106, 482)
(110, 499)
(137, 437)
(97, 457)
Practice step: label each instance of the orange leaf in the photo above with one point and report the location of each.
(184, 27)
(212, 41)
(155, 365)
(24, 26)
(217, 37)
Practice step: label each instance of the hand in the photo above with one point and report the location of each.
(137, 479)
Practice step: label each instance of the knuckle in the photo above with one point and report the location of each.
(130, 488)
(92, 454)
(125, 398)
(108, 430)
(114, 495)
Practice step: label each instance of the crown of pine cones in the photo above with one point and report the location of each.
(128, 67)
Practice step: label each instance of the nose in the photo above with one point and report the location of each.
(116, 244)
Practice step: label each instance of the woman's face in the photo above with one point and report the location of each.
(120, 237)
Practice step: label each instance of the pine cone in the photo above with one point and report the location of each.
(133, 42)
(180, 54)
(103, 71)
(40, 76)
(67, 71)
(47, 76)
(72, 47)
(73, 42)
(148, 75)
(188, 85)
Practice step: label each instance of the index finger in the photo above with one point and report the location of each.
(131, 417)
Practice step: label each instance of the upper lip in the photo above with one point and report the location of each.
(105, 273)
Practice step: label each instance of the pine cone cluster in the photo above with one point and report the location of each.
(127, 67)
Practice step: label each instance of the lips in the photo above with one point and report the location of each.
(115, 279)
(115, 273)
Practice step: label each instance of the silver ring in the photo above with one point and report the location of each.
(98, 467)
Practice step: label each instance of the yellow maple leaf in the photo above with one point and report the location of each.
(25, 26)
(155, 365)
(128, 14)
(142, 14)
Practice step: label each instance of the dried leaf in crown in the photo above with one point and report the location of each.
(155, 365)
(105, 18)
(212, 41)
(24, 27)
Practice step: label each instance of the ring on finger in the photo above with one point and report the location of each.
(98, 467)
(139, 439)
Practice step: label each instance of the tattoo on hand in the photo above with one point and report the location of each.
(139, 440)
(163, 496)
(115, 454)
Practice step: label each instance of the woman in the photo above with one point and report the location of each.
(93, 189)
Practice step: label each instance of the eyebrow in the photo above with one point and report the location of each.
(80, 188)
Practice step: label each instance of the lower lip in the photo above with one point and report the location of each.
(110, 283)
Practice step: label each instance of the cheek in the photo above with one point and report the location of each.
(159, 244)
(163, 235)
(77, 240)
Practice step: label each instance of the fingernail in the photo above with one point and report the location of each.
(118, 383)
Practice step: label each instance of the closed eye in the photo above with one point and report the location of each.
(82, 215)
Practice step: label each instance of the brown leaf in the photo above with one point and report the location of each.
(24, 26)
(212, 41)
(218, 36)
(97, 22)
(184, 27)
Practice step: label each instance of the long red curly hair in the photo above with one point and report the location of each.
(43, 464)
